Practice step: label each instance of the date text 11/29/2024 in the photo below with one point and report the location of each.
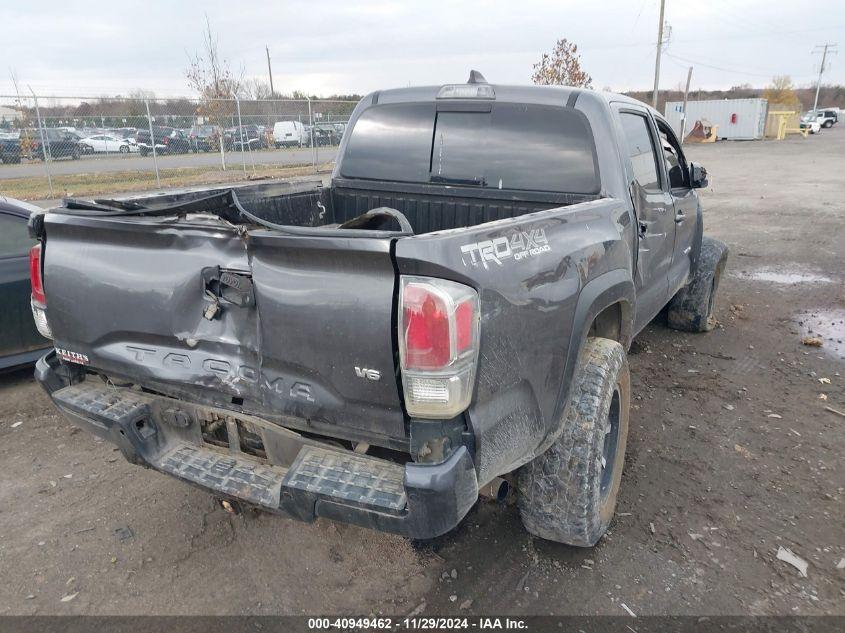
(417, 623)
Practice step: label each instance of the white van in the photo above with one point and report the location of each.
(290, 134)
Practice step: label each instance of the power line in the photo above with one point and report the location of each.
(723, 69)
(745, 23)
(590, 48)
(745, 68)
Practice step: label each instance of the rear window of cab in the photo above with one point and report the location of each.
(510, 146)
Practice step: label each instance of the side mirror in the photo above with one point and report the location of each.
(698, 176)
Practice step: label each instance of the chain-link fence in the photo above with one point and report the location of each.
(63, 146)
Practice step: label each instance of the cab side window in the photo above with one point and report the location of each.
(14, 238)
(640, 150)
(673, 157)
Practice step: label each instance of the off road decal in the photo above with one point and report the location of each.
(519, 246)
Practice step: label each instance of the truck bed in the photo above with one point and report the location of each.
(428, 208)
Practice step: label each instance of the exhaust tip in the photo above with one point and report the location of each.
(496, 490)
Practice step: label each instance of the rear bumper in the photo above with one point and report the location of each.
(414, 500)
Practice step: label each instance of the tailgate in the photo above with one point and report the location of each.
(290, 327)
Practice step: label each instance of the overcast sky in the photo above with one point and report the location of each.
(106, 48)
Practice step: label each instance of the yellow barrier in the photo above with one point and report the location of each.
(782, 118)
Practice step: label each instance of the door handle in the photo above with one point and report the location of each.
(679, 217)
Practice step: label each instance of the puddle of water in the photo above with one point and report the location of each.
(830, 326)
(788, 277)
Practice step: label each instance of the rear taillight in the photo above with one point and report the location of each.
(35, 275)
(38, 299)
(438, 345)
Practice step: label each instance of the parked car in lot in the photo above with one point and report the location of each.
(454, 308)
(836, 112)
(10, 147)
(104, 143)
(810, 122)
(826, 118)
(168, 140)
(326, 134)
(204, 138)
(250, 136)
(58, 144)
(290, 134)
(20, 342)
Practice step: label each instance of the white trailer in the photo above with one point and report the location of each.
(737, 119)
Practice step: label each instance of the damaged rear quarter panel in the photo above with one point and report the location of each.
(528, 307)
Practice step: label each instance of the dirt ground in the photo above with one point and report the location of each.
(731, 455)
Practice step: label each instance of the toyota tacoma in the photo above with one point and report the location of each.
(450, 313)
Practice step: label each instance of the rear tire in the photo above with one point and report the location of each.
(691, 309)
(568, 494)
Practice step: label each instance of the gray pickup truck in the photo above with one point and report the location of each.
(448, 317)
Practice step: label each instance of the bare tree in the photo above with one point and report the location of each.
(561, 67)
(209, 74)
(256, 88)
(141, 94)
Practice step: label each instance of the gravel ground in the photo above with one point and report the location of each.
(731, 456)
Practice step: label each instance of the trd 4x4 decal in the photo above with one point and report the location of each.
(519, 246)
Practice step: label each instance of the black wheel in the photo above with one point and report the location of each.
(691, 309)
(828, 124)
(568, 494)
(75, 154)
(124, 149)
(144, 151)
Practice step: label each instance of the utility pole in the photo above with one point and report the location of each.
(686, 95)
(270, 71)
(659, 51)
(825, 47)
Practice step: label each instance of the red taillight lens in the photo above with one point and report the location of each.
(464, 324)
(35, 279)
(427, 340)
(438, 345)
(439, 322)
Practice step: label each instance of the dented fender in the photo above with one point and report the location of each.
(540, 277)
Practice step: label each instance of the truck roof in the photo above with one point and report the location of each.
(541, 95)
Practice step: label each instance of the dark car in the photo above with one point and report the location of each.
(10, 147)
(204, 138)
(20, 341)
(168, 140)
(326, 134)
(250, 136)
(58, 143)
